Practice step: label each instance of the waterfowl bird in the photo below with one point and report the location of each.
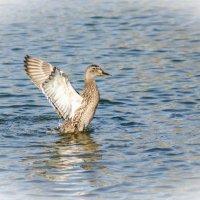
(77, 110)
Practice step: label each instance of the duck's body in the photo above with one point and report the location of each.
(77, 110)
(84, 114)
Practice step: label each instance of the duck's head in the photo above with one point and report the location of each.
(95, 70)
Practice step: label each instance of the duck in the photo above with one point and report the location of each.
(76, 109)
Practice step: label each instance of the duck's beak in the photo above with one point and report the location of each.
(102, 73)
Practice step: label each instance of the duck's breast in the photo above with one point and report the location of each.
(90, 106)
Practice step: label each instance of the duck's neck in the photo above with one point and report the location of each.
(91, 87)
(90, 83)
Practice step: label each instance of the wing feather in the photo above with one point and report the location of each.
(38, 70)
(55, 85)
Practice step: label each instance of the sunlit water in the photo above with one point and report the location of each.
(144, 142)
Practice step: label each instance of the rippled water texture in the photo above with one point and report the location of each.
(144, 142)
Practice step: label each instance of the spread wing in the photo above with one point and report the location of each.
(55, 85)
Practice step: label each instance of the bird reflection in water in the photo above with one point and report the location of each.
(70, 154)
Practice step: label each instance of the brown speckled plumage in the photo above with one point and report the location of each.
(76, 109)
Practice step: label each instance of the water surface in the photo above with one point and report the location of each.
(144, 142)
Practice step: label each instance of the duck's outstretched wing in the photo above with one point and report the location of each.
(55, 85)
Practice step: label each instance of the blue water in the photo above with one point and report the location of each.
(144, 142)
